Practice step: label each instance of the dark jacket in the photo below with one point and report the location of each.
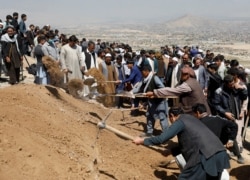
(224, 129)
(229, 100)
(30, 37)
(168, 78)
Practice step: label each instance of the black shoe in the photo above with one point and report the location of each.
(134, 112)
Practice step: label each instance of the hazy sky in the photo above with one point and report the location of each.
(77, 12)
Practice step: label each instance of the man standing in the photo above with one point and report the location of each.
(153, 61)
(156, 106)
(109, 72)
(185, 60)
(200, 73)
(202, 150)
(89, 58)
(189, 91)
(14, 22)
(71, 59)
(173, 73)
(214, 82)
(219, 60)
(173, 77)
(8, 22)
(12, 55)
(227, 101)
(22, 30)
(30, 38)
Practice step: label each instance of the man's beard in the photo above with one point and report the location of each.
(11, 36)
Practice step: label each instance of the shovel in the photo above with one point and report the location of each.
(90, 81)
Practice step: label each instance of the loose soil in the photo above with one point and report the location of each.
(48, 134)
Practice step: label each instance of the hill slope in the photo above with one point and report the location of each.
(47, 134)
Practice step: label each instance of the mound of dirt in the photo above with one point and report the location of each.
(47, 134)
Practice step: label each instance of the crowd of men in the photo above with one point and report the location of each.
(185, 74)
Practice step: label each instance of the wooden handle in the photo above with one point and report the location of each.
(118, 132)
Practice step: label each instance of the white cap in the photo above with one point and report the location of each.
(175, 59)
(108, 55)
(167, 56)
(247, 71)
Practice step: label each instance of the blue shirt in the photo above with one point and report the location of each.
(134, 77)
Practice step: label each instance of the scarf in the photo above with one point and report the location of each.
(6, 38)
(147, 81)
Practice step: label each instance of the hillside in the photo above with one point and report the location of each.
(47, 134)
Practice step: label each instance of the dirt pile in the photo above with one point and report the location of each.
(47, 134)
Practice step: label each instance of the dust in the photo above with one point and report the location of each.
(55, 73)
(102, 87)
(75, 86)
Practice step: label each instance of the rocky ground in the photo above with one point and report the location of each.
(47, 134)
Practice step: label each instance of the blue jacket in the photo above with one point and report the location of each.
(134, 77)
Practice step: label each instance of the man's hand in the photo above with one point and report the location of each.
(138, 140)
(65, 71)
(238, 86)
(7, 59)
(229, 144)
(118, 81)
(149, 94)
(229, 116)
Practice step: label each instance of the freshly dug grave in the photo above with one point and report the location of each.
(47, 134)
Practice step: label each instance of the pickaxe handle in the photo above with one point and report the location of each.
(116, 131)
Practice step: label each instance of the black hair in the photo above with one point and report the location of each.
(143, 52)
(127, 56)
(213, 66)
(233, 71)
(151, 52)
(201, 108)
(176, 111)
(9, 17)
(119, 57)
(234, 63)
(219, 57)
(242, 75)
(228, 78)
(73, 38)
(40, 38)
(15, 14)
(23, 16)
(99, 52)
(91, 43)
